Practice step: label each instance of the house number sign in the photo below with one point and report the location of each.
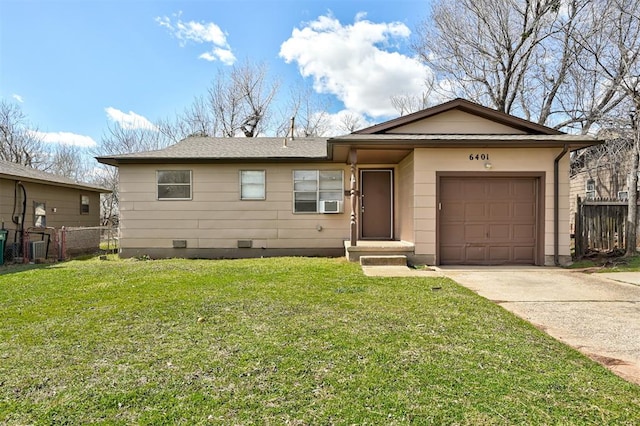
(481, 157)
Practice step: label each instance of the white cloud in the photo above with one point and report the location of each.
(337, 122)
(199, 32)
(64, 138)
(356, 62)
(129, 120)
(18, 98)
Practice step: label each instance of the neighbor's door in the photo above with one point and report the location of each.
(376, 204)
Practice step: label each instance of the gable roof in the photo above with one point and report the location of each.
(466, 106)
(207, 149)
(380, 137)
(14, 171)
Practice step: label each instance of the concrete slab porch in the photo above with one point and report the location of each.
(378, 248)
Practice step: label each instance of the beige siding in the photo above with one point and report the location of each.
(456, 122)
(62, 205)
(216, 217)
(405, 190)
(430, 161)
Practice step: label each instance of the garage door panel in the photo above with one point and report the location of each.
(454, 233)
(472, 190)
(524, 210)
(524, 232)
(454, 253)
(452, 187)
(453, 210)
(499, 190)
(475, 254)
(500, 232)
(474, 232)
(475, 211)
(523, 254)
(499, 254)
(499, 210)
(523, 189)
(488, 220)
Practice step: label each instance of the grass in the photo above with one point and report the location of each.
(609, 264)
(280, 341)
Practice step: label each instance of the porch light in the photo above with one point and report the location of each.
(488, 165)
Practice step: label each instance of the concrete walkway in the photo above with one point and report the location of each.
(598, 314)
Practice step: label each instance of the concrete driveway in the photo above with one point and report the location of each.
(598, 314)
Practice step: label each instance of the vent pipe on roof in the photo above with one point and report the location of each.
(291, 136)
(293, 121)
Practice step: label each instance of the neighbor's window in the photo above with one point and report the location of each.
(252, 185)
(174, 184)
(311, 187)
(84, 204)
(590, 192)
(39, 214)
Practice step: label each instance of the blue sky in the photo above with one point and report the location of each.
(77, 66)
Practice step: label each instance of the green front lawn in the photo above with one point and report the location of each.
(280, 341)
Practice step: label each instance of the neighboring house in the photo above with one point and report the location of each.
(600, 172)
(32, 200)
(454, 184)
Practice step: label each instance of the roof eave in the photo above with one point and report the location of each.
(115, 161)
(60, 184)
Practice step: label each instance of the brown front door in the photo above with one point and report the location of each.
(488, 221)
(376, 204)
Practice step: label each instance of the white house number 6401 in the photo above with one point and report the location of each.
(483, 157)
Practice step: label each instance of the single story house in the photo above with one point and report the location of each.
(31, 199)
(457, 183)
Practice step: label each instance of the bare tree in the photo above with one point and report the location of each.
(18, 143)
(309, 112)
(69, 161)
(485, 48)
(406, 104)
(350, 122)
(613, 59)
(120, 140)
(535, 59)
(237, 103)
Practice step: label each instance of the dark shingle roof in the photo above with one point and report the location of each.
(206, 148)
(19, 172)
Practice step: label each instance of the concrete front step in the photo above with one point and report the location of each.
(386, 260)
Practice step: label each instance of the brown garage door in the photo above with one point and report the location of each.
(487, 221)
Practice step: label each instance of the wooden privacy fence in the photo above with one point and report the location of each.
(600, 225)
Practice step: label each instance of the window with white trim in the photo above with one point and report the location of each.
(174, 184)
(590, 189)
(252, 185)
(311, 187)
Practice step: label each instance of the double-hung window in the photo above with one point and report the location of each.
(312, 187)
(174, 184)
(252, 185)
(84, 204)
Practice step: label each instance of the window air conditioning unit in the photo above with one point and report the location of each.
(330, 206)
(38, 250)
